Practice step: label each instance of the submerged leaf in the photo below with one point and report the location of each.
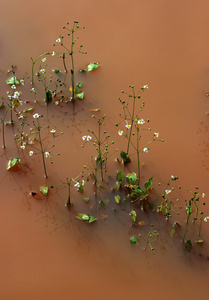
(120, 175)
(117, 199)
(13, 162)
(86, 199)
(12, 80)
(44, 189)
(92, 66)
(141, 223)
(199, 241)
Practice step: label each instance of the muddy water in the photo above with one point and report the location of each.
(46, 253)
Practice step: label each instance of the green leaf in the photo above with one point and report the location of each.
(92, 66)
(91, 219)
(117, 185)
(133, 215)
(126, 159)
(133, 240)
(12, 80)
(80, 95)
(78, 87)
(44, 189)
(131, 178)
(57, 71)
(86, 199)
(188, 245)
(81, 216)
(199, 241)
(138, 190)
(117, 199)
(28, 111)
(148, 184)
(13, 162)
(80, 189)
(120, 175)
(99, 159)
(48, 97)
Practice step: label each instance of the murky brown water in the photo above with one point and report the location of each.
(46, 253)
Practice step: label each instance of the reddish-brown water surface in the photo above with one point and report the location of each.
(46, 253)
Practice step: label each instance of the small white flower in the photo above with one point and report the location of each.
(20, 117)
(206, 219)
(145, 86)
(16, 95)
(31, 153)
(88, 138)
(43, 59)
(120, 132)
(47, 154)
(172, 177)
(22, 81)
(53, 53)
(84, 137)
(13, 87)
(36, 116)
(22, 147)
(146, 150)
(141, 121)
(203, 195)
(128, 126)
(167, 192)
(43, 71)
(83, 182)
(53, 131)
(156, 134)
(77, 184)
(58, 40)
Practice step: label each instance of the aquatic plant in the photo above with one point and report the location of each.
(101, 143)
(44, 149)
(134, 125)
(71, 51)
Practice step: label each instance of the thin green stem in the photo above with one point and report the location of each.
(138, 161)
(42, 150)
(132, 121)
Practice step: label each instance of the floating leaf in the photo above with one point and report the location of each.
(44, 189)
(15, 103)
(13, 162)
(92, 66)
(78, 87)
(57, 71)
(199, 241)
(86, 199)
(94, 109)
(148, 184)
(28, 111)
(48, 97)
(81, 216)
(125, 157)
(131, 178)
(133, 240)
(91, 219)
(12, 80)
(133, 215)
(117, 199)
(80, 95)
(120, 175)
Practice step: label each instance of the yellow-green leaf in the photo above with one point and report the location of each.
(44, 189)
